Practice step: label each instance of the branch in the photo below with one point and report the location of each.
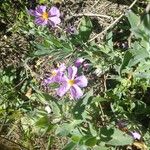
(92, 15)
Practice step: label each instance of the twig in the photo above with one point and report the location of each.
(20, 82)
(92, 15)
(3, 123)
(112, 24)
(95, 3)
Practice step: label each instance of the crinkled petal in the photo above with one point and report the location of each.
(34, 13)
(79, 62)
(72, 71)
(63, 79)
(41, 9)
(62, 90)
(47, 81)
(40, 21)
(54, 11)
(59, 77)
(53, 21)
(81, 81)
(76, 92)
(136, 135)
(31, 12)
(62, 67)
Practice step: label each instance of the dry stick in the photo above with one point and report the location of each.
(112, 24)
(96, 3)
(92, 15)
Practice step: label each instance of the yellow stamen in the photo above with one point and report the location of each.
(54, 73)
(70, 82)
(45, 15)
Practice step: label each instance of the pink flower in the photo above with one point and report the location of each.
(72, 83)
(43, 17)
(79, 62)
(56, 75)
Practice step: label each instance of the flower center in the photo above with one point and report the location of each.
(70, 82)
(54, 73)
(45, 15)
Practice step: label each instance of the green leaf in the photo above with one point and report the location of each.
(67, 128)
(79, 109)
(43, 1)
(51, 45)
(126, 60)
(75, 138)
(42, 122)
(146, 20)
(139, 55)
(92, 130)
(133, 19)
(99, 148)
(42, 52)
(82, 147)
(44, 97)
(120, 138)
(64, 129)
(54, 85)
(98, 99)
(91, 141)
(70, 146)
(85, 29)
(106, 133)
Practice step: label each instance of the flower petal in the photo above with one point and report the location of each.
(54, 11)
(136, 135)
(53, 21)
(31, 12)
(60, 77)
(62, 90)
(40, 21)
(72, 71)
(41, 9)
(76, 92)
(79, 62)
(81, 81)
(47, 80)
(62, 67)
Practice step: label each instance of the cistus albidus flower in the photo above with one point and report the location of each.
(135, 135)
(72, 83)
(44, 17)
(79, 62)
(56, 75)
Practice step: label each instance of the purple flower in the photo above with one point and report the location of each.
(72, 83)
(135, 135)
(56, 75)
(44, 17)
(79, 62)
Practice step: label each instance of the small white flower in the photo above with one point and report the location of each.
(48, 109)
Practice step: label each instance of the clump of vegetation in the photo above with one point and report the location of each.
(70, 90)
